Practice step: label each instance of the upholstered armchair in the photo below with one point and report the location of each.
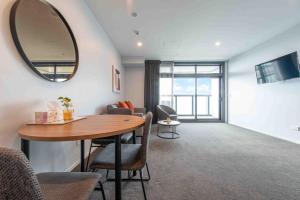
(164, 112)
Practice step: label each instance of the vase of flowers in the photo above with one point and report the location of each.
(68, 108)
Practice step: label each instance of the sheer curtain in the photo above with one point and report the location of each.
(166, 96)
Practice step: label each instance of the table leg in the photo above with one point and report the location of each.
(134, 137)
(170, 134)
(173, 132)
(134, 142)
(82, 155)
(118, 158)
(25, 147)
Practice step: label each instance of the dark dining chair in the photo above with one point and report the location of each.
(103, 142)
(18, 181)
(134, 156)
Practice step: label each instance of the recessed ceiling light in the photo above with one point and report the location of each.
(139, 44)
(217, 43)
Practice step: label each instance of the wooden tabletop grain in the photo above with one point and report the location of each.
(95, 126)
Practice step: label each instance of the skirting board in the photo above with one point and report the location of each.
(77, 163)
(261, 132)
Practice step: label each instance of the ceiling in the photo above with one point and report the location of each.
(188, 29)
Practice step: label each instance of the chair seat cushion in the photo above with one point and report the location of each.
(107, 140)
(130, 157)
(68, 185)
(126, 137)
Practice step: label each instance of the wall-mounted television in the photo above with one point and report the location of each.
(279, 69)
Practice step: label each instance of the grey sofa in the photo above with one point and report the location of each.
(164, 112)
(114, 109)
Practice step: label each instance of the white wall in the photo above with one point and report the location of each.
(273, 109)
(134, 85)
(23, 92)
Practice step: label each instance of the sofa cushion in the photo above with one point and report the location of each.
(114, 106)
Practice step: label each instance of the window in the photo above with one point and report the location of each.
(165, 69)
(184, 91)
(184, 69)
(165, 91)
(193, 89)
(202, 69)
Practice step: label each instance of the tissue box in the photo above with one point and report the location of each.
(41, 117)
(54, 112)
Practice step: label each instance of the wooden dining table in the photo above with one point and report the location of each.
(91, 127)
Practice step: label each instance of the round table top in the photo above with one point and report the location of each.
(171, 123)
(95, 126)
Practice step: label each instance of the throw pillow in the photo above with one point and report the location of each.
(130, 105)
(123, 105)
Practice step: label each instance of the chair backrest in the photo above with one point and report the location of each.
(146, 137)
(163, 112)
(168, 109)
(17, 180)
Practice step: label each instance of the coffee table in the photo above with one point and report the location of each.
(168, 134)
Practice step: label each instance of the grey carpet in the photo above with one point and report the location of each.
(216, 161)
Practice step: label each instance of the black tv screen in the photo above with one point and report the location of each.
(279, 69)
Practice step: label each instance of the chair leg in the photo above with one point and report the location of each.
(149, 177)
(130, 178)
(133, 137)
(102, 190)
(142, 182)
(107, 171)
(88, 160)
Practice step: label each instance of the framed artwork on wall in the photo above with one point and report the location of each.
(116, 80)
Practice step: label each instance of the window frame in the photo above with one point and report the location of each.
(220, 75)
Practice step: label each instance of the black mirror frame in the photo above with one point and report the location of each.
(16, 40)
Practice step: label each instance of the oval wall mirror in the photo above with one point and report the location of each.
(44, 39)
